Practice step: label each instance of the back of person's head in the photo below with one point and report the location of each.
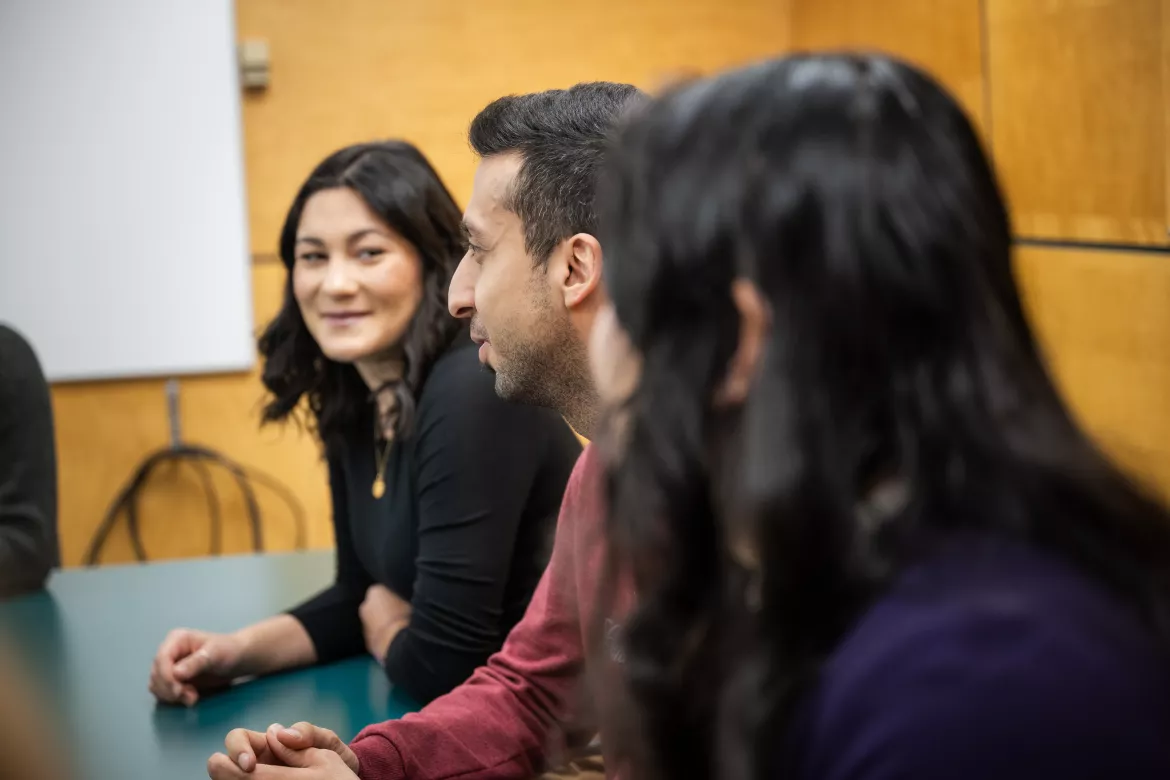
(403, 191)
(561, 135)
(899, 395)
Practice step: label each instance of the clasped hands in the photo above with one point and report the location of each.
(301, 752)
(305, 751)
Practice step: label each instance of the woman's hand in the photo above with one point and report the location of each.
(384, 613)
(190, 663)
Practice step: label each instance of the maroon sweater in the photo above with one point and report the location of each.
(506, 719)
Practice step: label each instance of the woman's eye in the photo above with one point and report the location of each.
(370, 252)
(311, 257)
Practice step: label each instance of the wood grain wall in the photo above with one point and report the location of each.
(1078, 99)
(1103, 320)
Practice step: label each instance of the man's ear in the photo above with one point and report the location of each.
(755, 320)
(580, 273)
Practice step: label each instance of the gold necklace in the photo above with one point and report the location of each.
(378, 489)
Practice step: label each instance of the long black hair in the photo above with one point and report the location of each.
(399, 185)
(901, 396)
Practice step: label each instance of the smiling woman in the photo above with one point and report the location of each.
(337, 222)
(444, 496)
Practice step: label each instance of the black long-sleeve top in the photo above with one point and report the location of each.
(28, 470)
(462, 532)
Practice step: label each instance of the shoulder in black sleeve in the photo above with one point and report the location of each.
(489, 479)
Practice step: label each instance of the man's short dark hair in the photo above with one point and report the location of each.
(561, 135)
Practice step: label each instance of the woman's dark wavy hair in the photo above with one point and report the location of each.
(399, 185)
(855, 194)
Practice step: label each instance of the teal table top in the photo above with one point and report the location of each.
(89, 642)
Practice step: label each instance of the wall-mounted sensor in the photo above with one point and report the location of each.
(253, 55)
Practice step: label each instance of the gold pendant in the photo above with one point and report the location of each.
(378, 489)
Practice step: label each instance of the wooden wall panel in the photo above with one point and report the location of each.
(1103, 320)
(359, 69)
(1079, 116)
(345, 71)
(942, 36)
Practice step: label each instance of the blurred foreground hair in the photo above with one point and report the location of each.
(901, 397)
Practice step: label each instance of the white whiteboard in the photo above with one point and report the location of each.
(123, 235)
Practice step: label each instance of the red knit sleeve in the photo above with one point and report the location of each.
(506, 719)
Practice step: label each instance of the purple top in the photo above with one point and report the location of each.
(990, 660)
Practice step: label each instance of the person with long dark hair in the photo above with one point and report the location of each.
(867, 537)
(444, 496)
